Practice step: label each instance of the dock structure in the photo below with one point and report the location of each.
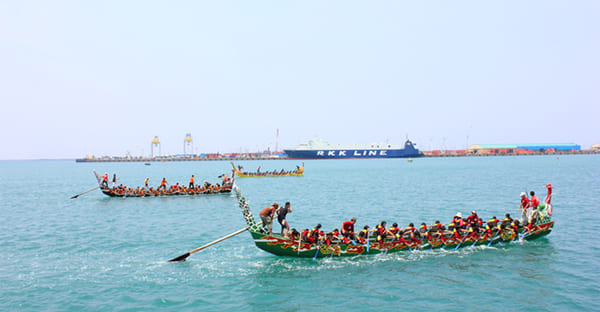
(204, 157)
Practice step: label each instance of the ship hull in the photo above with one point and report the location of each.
(352, 153)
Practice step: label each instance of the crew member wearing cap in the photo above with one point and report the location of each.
(524, 205)
(473, 219)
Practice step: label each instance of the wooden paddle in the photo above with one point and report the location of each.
(185, 255)
(317, 253)
(75, 196)
(464, 238)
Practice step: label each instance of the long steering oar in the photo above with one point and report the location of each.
(75, 196)
(185, 255)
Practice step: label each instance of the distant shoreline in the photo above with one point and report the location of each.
(272, 157)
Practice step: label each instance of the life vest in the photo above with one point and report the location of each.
(306, 235)
(451, 226)
(488, 229)
(362, 235)
(314, 234)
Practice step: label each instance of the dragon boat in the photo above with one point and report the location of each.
(226, 188)
(297, 172)
(282, 246)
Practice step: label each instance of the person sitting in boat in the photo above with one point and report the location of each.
(493, 221)
(363, 235)
(514, 226)
(336, 235)
(457, 222)
(346, 239)
(507, 220)
(437, 229)
(424, 232)
(382, 232)
(395, 230)
(489, 228)
(267, 216)
(328, 240)
(348, 228)
(411, 232)
(294, 235)
(316, 234)
(305, 236)
(531, 223)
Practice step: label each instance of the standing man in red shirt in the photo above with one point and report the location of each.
(348, 228)
(533, 204)
(105, 180)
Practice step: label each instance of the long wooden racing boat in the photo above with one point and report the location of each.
(281, 246)
(297, 172)
(180, 190)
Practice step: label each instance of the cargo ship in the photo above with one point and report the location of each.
(319, 149)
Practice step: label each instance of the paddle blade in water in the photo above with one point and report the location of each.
(180, 258)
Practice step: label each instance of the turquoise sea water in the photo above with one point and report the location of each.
(102, 254)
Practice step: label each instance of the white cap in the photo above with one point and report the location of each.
(523, 194)
(459, 215)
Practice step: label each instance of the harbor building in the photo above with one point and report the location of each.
(523, 148)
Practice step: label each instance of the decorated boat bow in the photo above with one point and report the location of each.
(283, 246)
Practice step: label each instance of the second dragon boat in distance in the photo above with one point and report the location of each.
(319, 149)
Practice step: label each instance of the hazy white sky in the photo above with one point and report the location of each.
(105, 77)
